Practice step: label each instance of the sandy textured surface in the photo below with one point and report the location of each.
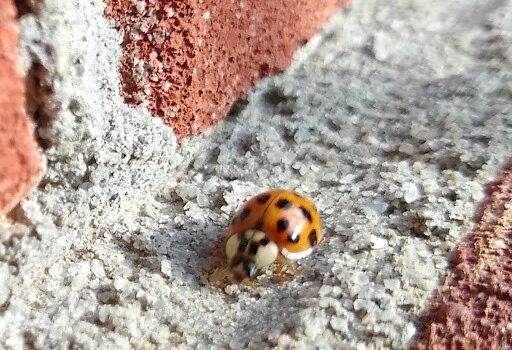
(392, 120)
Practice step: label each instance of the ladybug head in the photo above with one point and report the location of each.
(248, 252)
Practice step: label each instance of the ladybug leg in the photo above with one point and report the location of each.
(286, 269)
(295, 268)
(248, 282)
(281, 269)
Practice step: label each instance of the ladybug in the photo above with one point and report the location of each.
(271, 226)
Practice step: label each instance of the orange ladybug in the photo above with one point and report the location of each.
(273, 224)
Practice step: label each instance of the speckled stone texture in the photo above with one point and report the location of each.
(19, 158)
(392, 120)
(472, 309)
(189, 61)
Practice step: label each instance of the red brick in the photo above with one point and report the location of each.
(19, 158)
(201, 56)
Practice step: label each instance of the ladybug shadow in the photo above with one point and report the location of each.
(190, 250)
(180, 254)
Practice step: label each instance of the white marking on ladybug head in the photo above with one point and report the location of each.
(297, 255)
(250, 251)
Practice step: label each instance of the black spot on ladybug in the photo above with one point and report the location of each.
(258, 225)
(263, 198)
(283, 204)
(253, 248)
(245, 213)
(312, 237)
(243, 243)
(282, 224)
(265, 241)
(306, 213)
(293, 237)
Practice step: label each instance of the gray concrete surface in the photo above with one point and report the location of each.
(392, 120)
